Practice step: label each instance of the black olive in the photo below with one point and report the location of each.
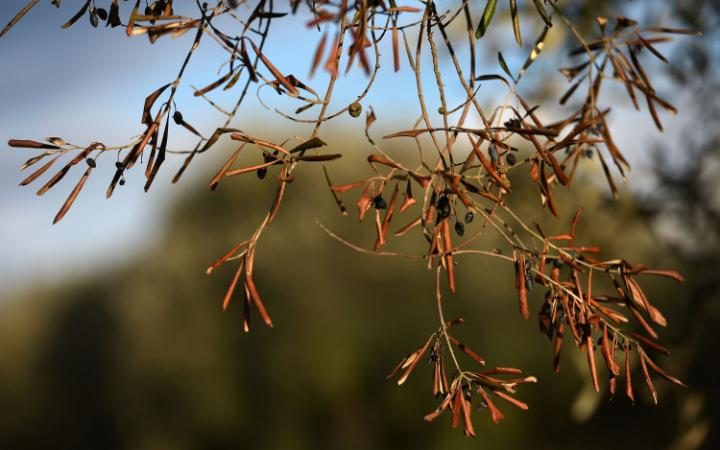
(511, 159)
(93, 18)
(178, 117)
(443, 208)
(492, 150)
(587, 330)
(547, 308)
(262, 172)
(91, 162)
(379, 202)
(529, 283)
(459, 228)
(469, 216)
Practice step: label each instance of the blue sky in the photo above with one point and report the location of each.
(88, 84)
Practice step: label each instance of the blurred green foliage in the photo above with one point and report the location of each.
(142, 358)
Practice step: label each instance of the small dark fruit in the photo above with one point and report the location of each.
(355, 109)
(379, 202)
(443, 208)
(492, 151)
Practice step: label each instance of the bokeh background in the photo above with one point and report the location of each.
(111, 334)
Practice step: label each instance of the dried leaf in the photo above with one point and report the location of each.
(541, 10)
(33, 176)
(149, 102)
(233, 284)
(319, 158)
(661, 372)
(18, 16)
(628, 376)
(457, 408)
(402, 231)
(26, 143)
(471, 354)
(591, 362)
(520, 277)
(504, 67)
(648, 380)
(495, 413)
(675, 275)
(223, 170)
(610, 362)
(469, 430)
(411, 362)
(255, 297)
(511, 400)
(276, 73)
(310, 144)
(79, 14)
(537, 49)
(73, 195)
(318, 54)
(396, 49)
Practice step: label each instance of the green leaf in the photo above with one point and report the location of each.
(504, 66)
(487, 17)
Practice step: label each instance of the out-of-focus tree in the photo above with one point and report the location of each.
(461, 184)
(683, 203)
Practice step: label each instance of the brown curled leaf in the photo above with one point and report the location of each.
(648, 380)
(73, 195)
(495, 413)
(27, 143)
(33, 176)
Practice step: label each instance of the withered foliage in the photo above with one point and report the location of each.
(463, 174)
